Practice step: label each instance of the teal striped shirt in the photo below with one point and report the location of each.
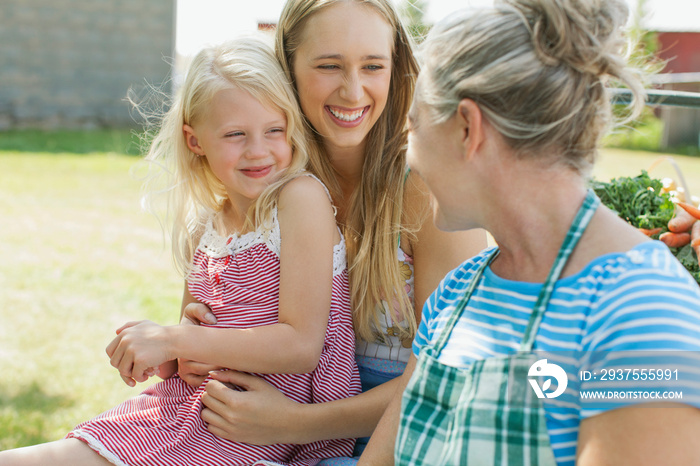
(608, 326)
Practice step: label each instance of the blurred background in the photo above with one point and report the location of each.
(68, 64)
(78, 257)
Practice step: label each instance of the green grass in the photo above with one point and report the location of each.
(79, 259)
(119, 141)
(645, 136)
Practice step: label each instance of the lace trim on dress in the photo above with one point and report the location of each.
(217, 246)
(98, 447)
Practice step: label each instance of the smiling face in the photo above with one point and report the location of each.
(245, 143)
(343, 70)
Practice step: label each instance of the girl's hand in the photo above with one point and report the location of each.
(192, 372)
(256, 415)
(139, 348)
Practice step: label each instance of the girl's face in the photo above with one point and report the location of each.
(245, 143)
(343, 70)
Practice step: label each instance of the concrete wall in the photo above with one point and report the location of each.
(69, 63)
(681, 52)
(681, 124)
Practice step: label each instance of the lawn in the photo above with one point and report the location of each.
(79, 258)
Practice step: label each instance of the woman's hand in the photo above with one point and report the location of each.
(192, 372)
(197, 314)
(257, 415)
(138, 349)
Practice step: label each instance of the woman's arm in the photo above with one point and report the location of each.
(294, 344)
(261, 415)
(666, 433)
(380, 449)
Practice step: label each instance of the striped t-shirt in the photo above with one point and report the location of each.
(609, 326)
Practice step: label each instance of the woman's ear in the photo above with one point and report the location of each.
(191, 140)
(470, 119)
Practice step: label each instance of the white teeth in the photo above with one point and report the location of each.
(347, 116)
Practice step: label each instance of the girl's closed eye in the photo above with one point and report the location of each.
(231, 134)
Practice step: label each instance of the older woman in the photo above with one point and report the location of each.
(510, 106)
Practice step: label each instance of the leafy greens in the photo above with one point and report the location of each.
(640, 201)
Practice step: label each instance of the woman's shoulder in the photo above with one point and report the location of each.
(455, 283)
(643, 298)
(649, 265)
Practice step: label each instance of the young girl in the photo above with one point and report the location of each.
(233, 147)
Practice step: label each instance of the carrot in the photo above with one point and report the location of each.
(692, 210)
(695, 239)
(651, 232)
(675, 240)
(681, 221)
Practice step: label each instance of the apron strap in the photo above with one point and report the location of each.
(578, 226)
(459, 309)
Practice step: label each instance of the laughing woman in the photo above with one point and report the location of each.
(510, 106)
(351, 63)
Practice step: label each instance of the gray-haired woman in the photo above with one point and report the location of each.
(510, 106)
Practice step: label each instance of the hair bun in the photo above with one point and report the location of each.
(583, 34)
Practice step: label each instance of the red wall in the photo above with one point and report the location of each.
(681, 50)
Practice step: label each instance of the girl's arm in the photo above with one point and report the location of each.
(164, 370)
(293, 345)
(194, 373)
(262, 416)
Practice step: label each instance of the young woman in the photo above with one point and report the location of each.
(510, 107)
(352, 66)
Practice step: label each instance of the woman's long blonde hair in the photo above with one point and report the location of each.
(193, 191)
(373, 222)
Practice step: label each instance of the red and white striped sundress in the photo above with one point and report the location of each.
(238, 277)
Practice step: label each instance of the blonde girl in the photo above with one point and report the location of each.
(259, 245)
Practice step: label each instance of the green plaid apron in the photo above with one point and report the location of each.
(485, 414)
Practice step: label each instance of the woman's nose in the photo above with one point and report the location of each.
(352, 89)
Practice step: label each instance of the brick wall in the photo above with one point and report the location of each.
(69, 63)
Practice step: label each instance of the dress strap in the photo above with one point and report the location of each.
(328, 193)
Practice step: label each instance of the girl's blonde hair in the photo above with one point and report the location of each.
(373, 222)
(194, 192)
(538, 69)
